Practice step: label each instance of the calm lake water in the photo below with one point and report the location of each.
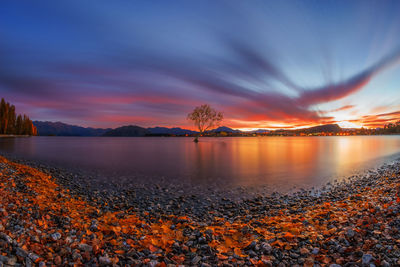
(243, 161)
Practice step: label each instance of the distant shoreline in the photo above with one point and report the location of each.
(12, 135)
(204, 136)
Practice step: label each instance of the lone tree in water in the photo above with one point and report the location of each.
(204, 117)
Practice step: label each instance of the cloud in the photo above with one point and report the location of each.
(378, 120)
(346, 107)
(353, 84)
(134, 67)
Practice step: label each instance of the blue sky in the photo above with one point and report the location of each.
(265, 64)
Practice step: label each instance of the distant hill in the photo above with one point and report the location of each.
(131, 130)
(327, 128)
(225, 129)
(169, 131)
(47, 128)
(260, 131)
(61, 129)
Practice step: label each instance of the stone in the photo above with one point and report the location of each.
(28, 262)
(366, 259)
(3, 258)
(85, 247)
(33, 257)
(196, 260)
(21, 252)
(266, 248)
(57, 260)
(104, 260)
(304, 251)
(11, 261)
(6, 237)
(55, 236)
(350, 233)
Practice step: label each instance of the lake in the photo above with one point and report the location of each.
(278, 162)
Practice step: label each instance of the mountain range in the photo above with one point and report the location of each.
(47, 128)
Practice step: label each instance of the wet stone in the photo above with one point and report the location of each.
(55, 236)
(104, 260)
(350, 233)
(196, 260)
(366, 258)
(85, 247)
(315, 251)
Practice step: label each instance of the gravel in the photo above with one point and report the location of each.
(371, 237)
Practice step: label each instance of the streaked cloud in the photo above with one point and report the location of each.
(150, 63)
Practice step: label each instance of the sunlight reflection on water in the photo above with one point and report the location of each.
(247, 161)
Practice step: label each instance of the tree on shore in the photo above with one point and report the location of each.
(11, 123)
(391, 128)
(204, 118)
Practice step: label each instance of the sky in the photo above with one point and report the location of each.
(264, 64)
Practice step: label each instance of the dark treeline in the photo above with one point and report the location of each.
(391, 128)
(11, 123)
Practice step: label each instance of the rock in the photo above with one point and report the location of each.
(252, 254)
(3, 258)
(266, 248)
(251, 246)
(105, 260)
(350, 233)
(21, 252)
(315, 251)
(366, 259)
(11, 261)
(153, 263)
(267, 263)
(35, 239)
(85, 247)
(76, 256)
(309, 262)
(94, 226)
(294, 255)
(196, 260)
(28, 262)
(304, 251)
(57, 260)
(55, 236)
(33, 257)
(6, 237)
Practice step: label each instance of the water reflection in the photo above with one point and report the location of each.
(301, 161)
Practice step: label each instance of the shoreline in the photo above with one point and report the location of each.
(302, 228)
(13, 135)
(206, 136)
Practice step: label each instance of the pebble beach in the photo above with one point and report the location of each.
(49, 217)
